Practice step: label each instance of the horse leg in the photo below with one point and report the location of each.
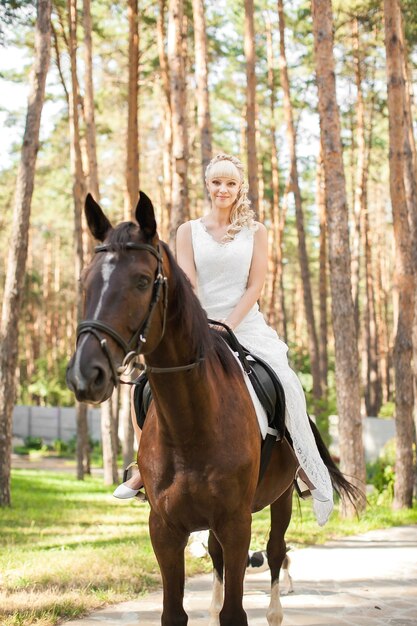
(288, 586)
(234, 539)
(169, 546)
(276, 549)
(216, 553)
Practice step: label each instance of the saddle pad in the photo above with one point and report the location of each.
(259, 409)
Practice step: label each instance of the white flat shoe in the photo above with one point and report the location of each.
(124, 493)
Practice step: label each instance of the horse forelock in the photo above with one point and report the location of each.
(122, 234)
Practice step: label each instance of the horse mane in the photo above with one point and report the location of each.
(203, 340)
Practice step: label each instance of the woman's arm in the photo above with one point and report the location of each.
(256, 278)
(185, 253)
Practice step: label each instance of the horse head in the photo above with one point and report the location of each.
(122, 288)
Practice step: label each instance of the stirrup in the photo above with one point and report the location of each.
(302, 489)
(126, 470)
(141, 495)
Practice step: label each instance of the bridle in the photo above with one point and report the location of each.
(133, 348)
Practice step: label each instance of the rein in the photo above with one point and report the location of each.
(133, 348)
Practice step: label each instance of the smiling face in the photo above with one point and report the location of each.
(223, 184)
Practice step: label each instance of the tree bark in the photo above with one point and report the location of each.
(346, 349)
(90, 124)
(410, 181)
(371, 326)
(249, 46)
(299, 215)
(361, 173)
(15, 276)
(167, 118)
(373, 389)
(201, 72)
(276, 309)
(110, 417)
(132, 137)
(78, 191)
(109, 443)
(382, 297)
(93, 181)
(403, 488)
(323, 288)
(177, 75)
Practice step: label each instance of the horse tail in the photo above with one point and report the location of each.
(340, 483)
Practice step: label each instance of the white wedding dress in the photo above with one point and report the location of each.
(222, 276)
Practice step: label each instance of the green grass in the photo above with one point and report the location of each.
(67, 547)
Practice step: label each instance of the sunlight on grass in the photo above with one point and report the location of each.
(68, 546)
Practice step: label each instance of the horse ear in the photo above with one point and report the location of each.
(145, 216)
(97, 222)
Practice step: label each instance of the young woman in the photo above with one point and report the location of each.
(225, 256)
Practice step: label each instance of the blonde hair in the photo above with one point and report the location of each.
(241, 214)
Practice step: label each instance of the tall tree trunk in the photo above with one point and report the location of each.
(276, 313)
(132, 138)
(250, 55)
(177, 75)
(201, 71)
(321, 205)
(47, 305)
(90, 125)
(381, 288)
(410, 181)
(346, 348)
(167, 118)
(109, 443)
(373, 390)
(403, 488)
(78, 191)
(15, 276)
(299, 215)
(111, 417)
(372, 334)
(93, 187)
(361, 173)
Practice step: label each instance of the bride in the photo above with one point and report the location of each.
(225, 256)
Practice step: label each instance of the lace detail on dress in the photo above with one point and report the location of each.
(222, 276)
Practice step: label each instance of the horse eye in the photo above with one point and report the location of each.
(143, 283)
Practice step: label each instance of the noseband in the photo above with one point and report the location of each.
(133, 348)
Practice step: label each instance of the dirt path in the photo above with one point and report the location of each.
(365, 580)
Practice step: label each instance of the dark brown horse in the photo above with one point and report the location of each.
(200, 447)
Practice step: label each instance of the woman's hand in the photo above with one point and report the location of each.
(222, 321)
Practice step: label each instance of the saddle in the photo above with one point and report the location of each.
(264, 380)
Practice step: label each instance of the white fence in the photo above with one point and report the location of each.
(376, 433)
(52, 423)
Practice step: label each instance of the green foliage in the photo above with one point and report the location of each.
(34, 443)
(409, 8)
(60, 447)
(387, 410)
(381, 473)
(49, 387)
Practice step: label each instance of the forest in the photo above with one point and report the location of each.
(315, 97)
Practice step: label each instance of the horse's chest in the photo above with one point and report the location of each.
(184, 501)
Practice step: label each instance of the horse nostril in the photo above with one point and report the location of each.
(100, 378)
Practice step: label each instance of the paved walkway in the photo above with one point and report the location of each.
(366, 580)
